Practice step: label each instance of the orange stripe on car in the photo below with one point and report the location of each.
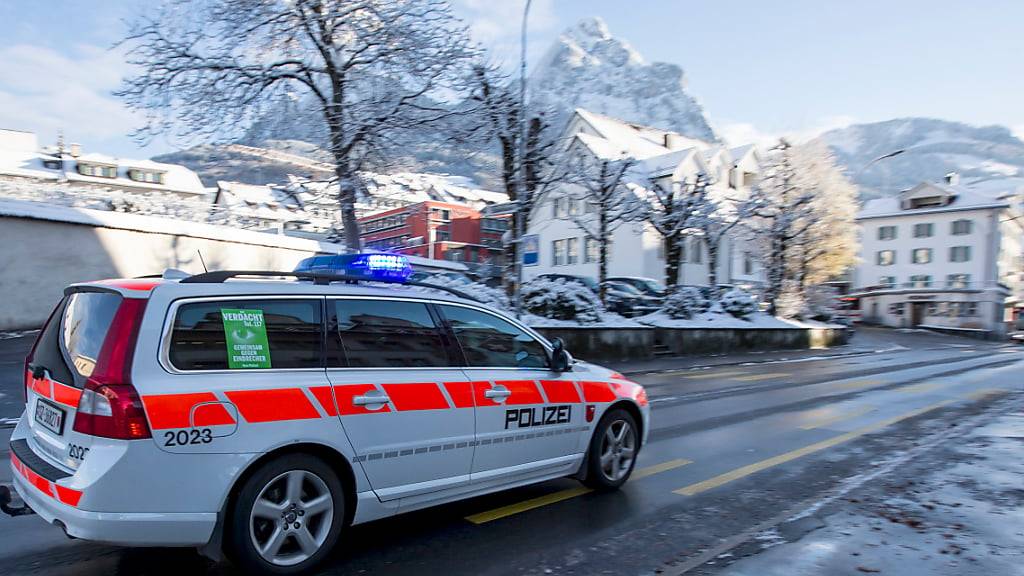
(416, 396)
(325, 399)
(560, 391)
(68, 496)
(598, 392)
(523, 392)
(272, 405)
(461, 393)
(175, 410)
(64, 394)
(345, 393)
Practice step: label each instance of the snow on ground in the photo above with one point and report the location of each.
(959, 519)
(608, 320)
(721, 320)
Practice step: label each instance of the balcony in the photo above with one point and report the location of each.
(929, 286)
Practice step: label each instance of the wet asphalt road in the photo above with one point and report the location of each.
(731, 447)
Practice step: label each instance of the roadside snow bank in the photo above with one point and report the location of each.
(709, 320)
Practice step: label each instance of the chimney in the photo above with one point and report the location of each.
(75, 150)
(952, 179)
(672, 140)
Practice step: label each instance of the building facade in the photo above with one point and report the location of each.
(941, 255)
(439, 231)
(637, 249)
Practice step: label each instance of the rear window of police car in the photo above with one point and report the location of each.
(294, 331)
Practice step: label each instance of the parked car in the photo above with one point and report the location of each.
(647, 286)
(620, 298)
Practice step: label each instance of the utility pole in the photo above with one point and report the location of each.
(521, 168)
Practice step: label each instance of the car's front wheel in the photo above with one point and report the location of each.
(287, 516)
(613, 450)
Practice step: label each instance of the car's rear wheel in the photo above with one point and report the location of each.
(613, 450)
(287, 516)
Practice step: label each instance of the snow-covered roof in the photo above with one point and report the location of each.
(637, 141)
(738, 153)
(963, 197)
(20, 155)
(414, 187)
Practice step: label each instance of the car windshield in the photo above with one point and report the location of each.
(624, 287)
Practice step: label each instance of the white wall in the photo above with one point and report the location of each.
(43, 248)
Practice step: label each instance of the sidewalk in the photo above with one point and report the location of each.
(955, 511)
(704, 361)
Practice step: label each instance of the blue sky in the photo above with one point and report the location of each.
(760, 68)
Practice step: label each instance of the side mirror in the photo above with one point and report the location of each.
(560, 359)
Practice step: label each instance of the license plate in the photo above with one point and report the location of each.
(51, 417)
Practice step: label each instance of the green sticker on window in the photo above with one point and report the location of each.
(246, 336)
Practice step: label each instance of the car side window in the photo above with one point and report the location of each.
(214, 335)
(386, 334)
(489, 341)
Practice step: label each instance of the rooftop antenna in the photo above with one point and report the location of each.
(203, 262)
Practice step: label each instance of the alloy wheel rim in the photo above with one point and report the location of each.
(618, 449)
(291, 517)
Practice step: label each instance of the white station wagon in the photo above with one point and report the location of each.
(260, 416)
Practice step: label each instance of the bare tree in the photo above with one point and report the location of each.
(783, 207)
(714, 219)
(605, 197)
(673, 207)
(209, 68)
(498, 110)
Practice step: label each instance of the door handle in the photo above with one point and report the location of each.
(370, 399)
(497, 394)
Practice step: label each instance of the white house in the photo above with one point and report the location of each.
(941, 255)
(22, 159)
(637, 249)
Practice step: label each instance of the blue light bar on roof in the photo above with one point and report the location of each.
(384, 267)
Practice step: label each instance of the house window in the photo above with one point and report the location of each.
(558, 252)
(885, 257)
(572, 251)
(920, 281)
(575, 207)
(748, 264)
(926, 202)
(697, 251)
(561, 207)
(886, 232)
(443, 236)
(887, 281)
(922, 255)
(592, 250)
(97, 170)
(960, 254)
(148, 176)
(896, 308)
(923, 230)
(958, 280)
(961, 227)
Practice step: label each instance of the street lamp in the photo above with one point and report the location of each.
(520, 172)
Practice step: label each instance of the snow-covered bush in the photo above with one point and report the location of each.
(738, 303)
(561, 300)
(493, 297)
(684, 302)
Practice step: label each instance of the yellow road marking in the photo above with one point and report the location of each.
(858, 384)
(713, 375)
(918, 388)
(837, 418)
(756, 377)
(800, 452)
(984, 393)
(566, 494)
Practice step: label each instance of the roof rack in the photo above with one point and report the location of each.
(318, 278)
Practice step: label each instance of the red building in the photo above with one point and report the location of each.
(437, 230)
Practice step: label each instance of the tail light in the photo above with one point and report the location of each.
(110, 406)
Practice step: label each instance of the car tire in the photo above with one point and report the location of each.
(271, 531)
(613, 449)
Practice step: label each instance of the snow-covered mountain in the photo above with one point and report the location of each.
(586, 67)
(589, 68)
(986, 155)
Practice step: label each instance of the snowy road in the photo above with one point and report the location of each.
(736, 451)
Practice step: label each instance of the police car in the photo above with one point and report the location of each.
(261, 416)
